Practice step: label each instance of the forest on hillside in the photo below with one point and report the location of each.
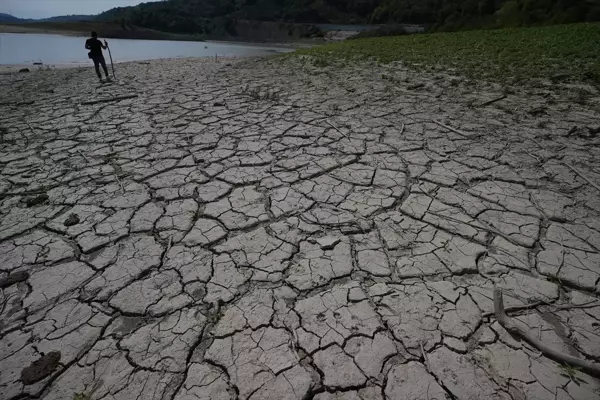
(205, 16)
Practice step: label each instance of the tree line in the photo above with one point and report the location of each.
(206, 16)
(461, 14)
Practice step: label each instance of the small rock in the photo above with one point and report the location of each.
(13, 278)
(328, 242)
(228, 65)
(24, 70)
(34, 201)
(41, 368)
(72, 219)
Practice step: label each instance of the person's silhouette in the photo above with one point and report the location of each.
(95, 47)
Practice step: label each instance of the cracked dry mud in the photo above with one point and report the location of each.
(267, 230)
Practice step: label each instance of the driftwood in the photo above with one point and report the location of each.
(516, 308)
(119, 182)
(457, 131)
(514, 328)
(591, 304)
(337, 129)
(487, 103)
(170, 244)
(84, 156)
(118, 98)
(425, 358)
(578, 172)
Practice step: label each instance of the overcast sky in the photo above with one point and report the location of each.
(51, 8)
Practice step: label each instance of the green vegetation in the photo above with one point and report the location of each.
(571, 373)
(215, 16)
(560, 52)
(461, 14)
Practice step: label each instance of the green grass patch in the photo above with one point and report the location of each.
(560, 52)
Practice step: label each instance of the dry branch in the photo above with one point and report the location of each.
(170, 244)
(457, 131)
(487, 103)
(515, 329)
(84, 156)
(425, 359)
(336, 128)
(590, 304)
(119, 182)
(578, 172)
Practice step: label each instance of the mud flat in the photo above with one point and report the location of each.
(275, 229)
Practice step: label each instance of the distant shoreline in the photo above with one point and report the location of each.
(109, 30)
(105, 30)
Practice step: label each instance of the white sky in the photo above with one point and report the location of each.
(51, 8)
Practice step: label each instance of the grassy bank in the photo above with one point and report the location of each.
(104, 29)
(561, 52)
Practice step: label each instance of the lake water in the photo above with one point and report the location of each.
(18, 48)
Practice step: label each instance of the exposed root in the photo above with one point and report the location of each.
(514, 328)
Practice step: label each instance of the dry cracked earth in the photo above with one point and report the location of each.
(273, 230)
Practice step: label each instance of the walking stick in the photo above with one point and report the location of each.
(111, 60)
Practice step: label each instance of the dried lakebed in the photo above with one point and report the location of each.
(270, 230)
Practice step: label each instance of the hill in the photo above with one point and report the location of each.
(8, 18)
(202, 16)
(69, 18)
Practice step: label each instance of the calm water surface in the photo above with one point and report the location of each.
(18, 48)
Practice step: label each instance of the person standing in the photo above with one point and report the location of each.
(95, 47)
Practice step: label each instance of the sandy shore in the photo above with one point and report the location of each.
(276, 229)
